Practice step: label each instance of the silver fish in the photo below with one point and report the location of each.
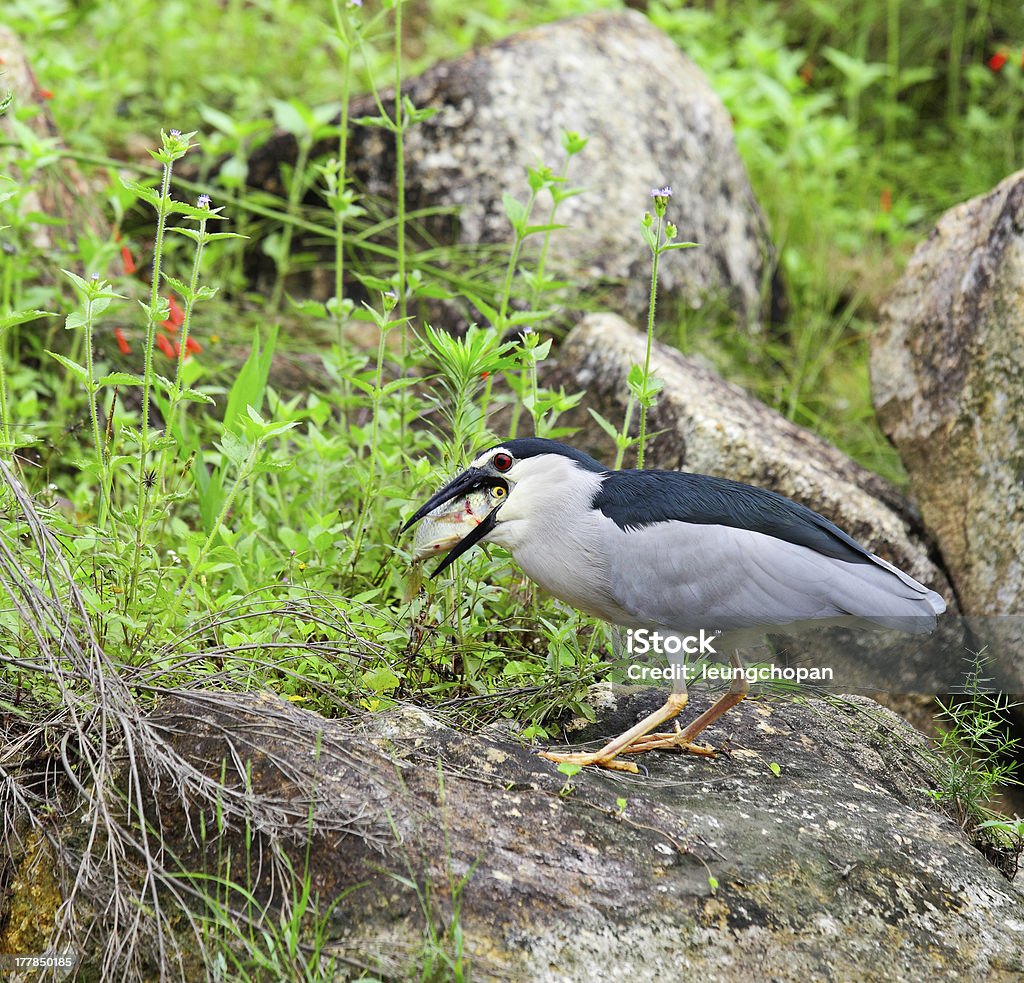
(441, 529)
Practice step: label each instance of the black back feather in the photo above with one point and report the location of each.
(633, 499)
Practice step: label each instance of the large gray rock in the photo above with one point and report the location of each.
(652, 120)
(711, 426)
(839, 868)
(947, 370)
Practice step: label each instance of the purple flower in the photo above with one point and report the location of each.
(203, 201)
(665, 192)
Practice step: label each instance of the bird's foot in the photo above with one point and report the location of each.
(662, 742)
(590, 758)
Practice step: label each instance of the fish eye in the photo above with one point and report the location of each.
(499, 491)
(502, 462)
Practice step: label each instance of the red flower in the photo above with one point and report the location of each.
(122, 342)
(164, 344)
(175, 316)
(885, 199)
(127, 260)
(191, 345)
(45, 94)
(484, 375)
(997, 61)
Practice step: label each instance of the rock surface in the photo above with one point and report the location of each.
(652, 120)
(713, 427)
(947, 370)
(837, 868)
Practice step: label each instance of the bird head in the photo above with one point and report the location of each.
(527, 477)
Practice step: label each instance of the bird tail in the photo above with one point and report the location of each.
(912, 610)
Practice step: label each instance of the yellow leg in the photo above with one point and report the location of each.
(605, 757)
(738, 689)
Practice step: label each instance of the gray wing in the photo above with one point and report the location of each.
(686, 576)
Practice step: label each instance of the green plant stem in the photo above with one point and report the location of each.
(893, 60)
(4, 418)
(94, 417)
(186, 324)
(6, 346)
(371, 484)
(400, 217)
(626, 422)
(513, 262)
(506, 295)
(154, 296)
(147, 376)
(535, 292)
(342, 27)
(225, 508)
(400, 172)
(957, 41)
(650, 338)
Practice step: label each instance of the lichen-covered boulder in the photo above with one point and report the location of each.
(807, 849)
(947, 372)
(652, 120)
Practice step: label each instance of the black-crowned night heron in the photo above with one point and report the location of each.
(667, 551)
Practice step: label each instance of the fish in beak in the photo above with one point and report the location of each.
(461, 514)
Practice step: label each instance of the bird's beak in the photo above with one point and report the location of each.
(470, 480)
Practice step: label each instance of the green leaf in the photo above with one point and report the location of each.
(607, 427)
(20, 317)
(292, 117)
(384, 122)
(412, 115)
(250, 384)
(121, 379)
(195, 396)
(178, 286)
(218, 120)
(79, 371)
(78, 281)
(381, 680)
(529, 317)
(147, 194)
(218, 236)
(235, 448)
(547, 227)
(516, 212)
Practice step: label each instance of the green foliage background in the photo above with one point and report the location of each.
(249, 532)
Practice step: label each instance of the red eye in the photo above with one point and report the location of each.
(502, 462)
